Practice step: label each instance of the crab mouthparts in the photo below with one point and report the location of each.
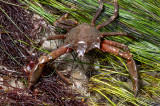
(81, 50)
(81, 53)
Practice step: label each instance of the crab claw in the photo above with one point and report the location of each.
(37, 70)
(107, 46)
(134, 74)
(132, 68)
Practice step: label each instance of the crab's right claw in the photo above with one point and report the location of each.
(37, 70)
(34, 75)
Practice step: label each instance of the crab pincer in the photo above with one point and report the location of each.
(37, 70)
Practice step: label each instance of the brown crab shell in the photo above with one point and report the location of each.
(83, 38)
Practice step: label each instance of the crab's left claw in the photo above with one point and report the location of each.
(132, 68)
(37, 70)
(109, 46)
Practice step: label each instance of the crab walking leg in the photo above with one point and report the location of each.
(56, 37)
(117, 34)
(64, 23)
(65, 80)
(57, 24)
(98, 12)
(112, 18)
(37, 70)
(132, 68)
(69, 22)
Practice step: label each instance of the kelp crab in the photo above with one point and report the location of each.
(84, 37)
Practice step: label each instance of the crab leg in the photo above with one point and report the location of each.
(112, 18)
(98, 12)
(37, 70)
(108, 46)
(56, 37)
(57, 24)
(64, 23)
(118, 34)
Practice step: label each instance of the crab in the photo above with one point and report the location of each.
(83, 38)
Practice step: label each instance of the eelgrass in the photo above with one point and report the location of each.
(139, 18)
